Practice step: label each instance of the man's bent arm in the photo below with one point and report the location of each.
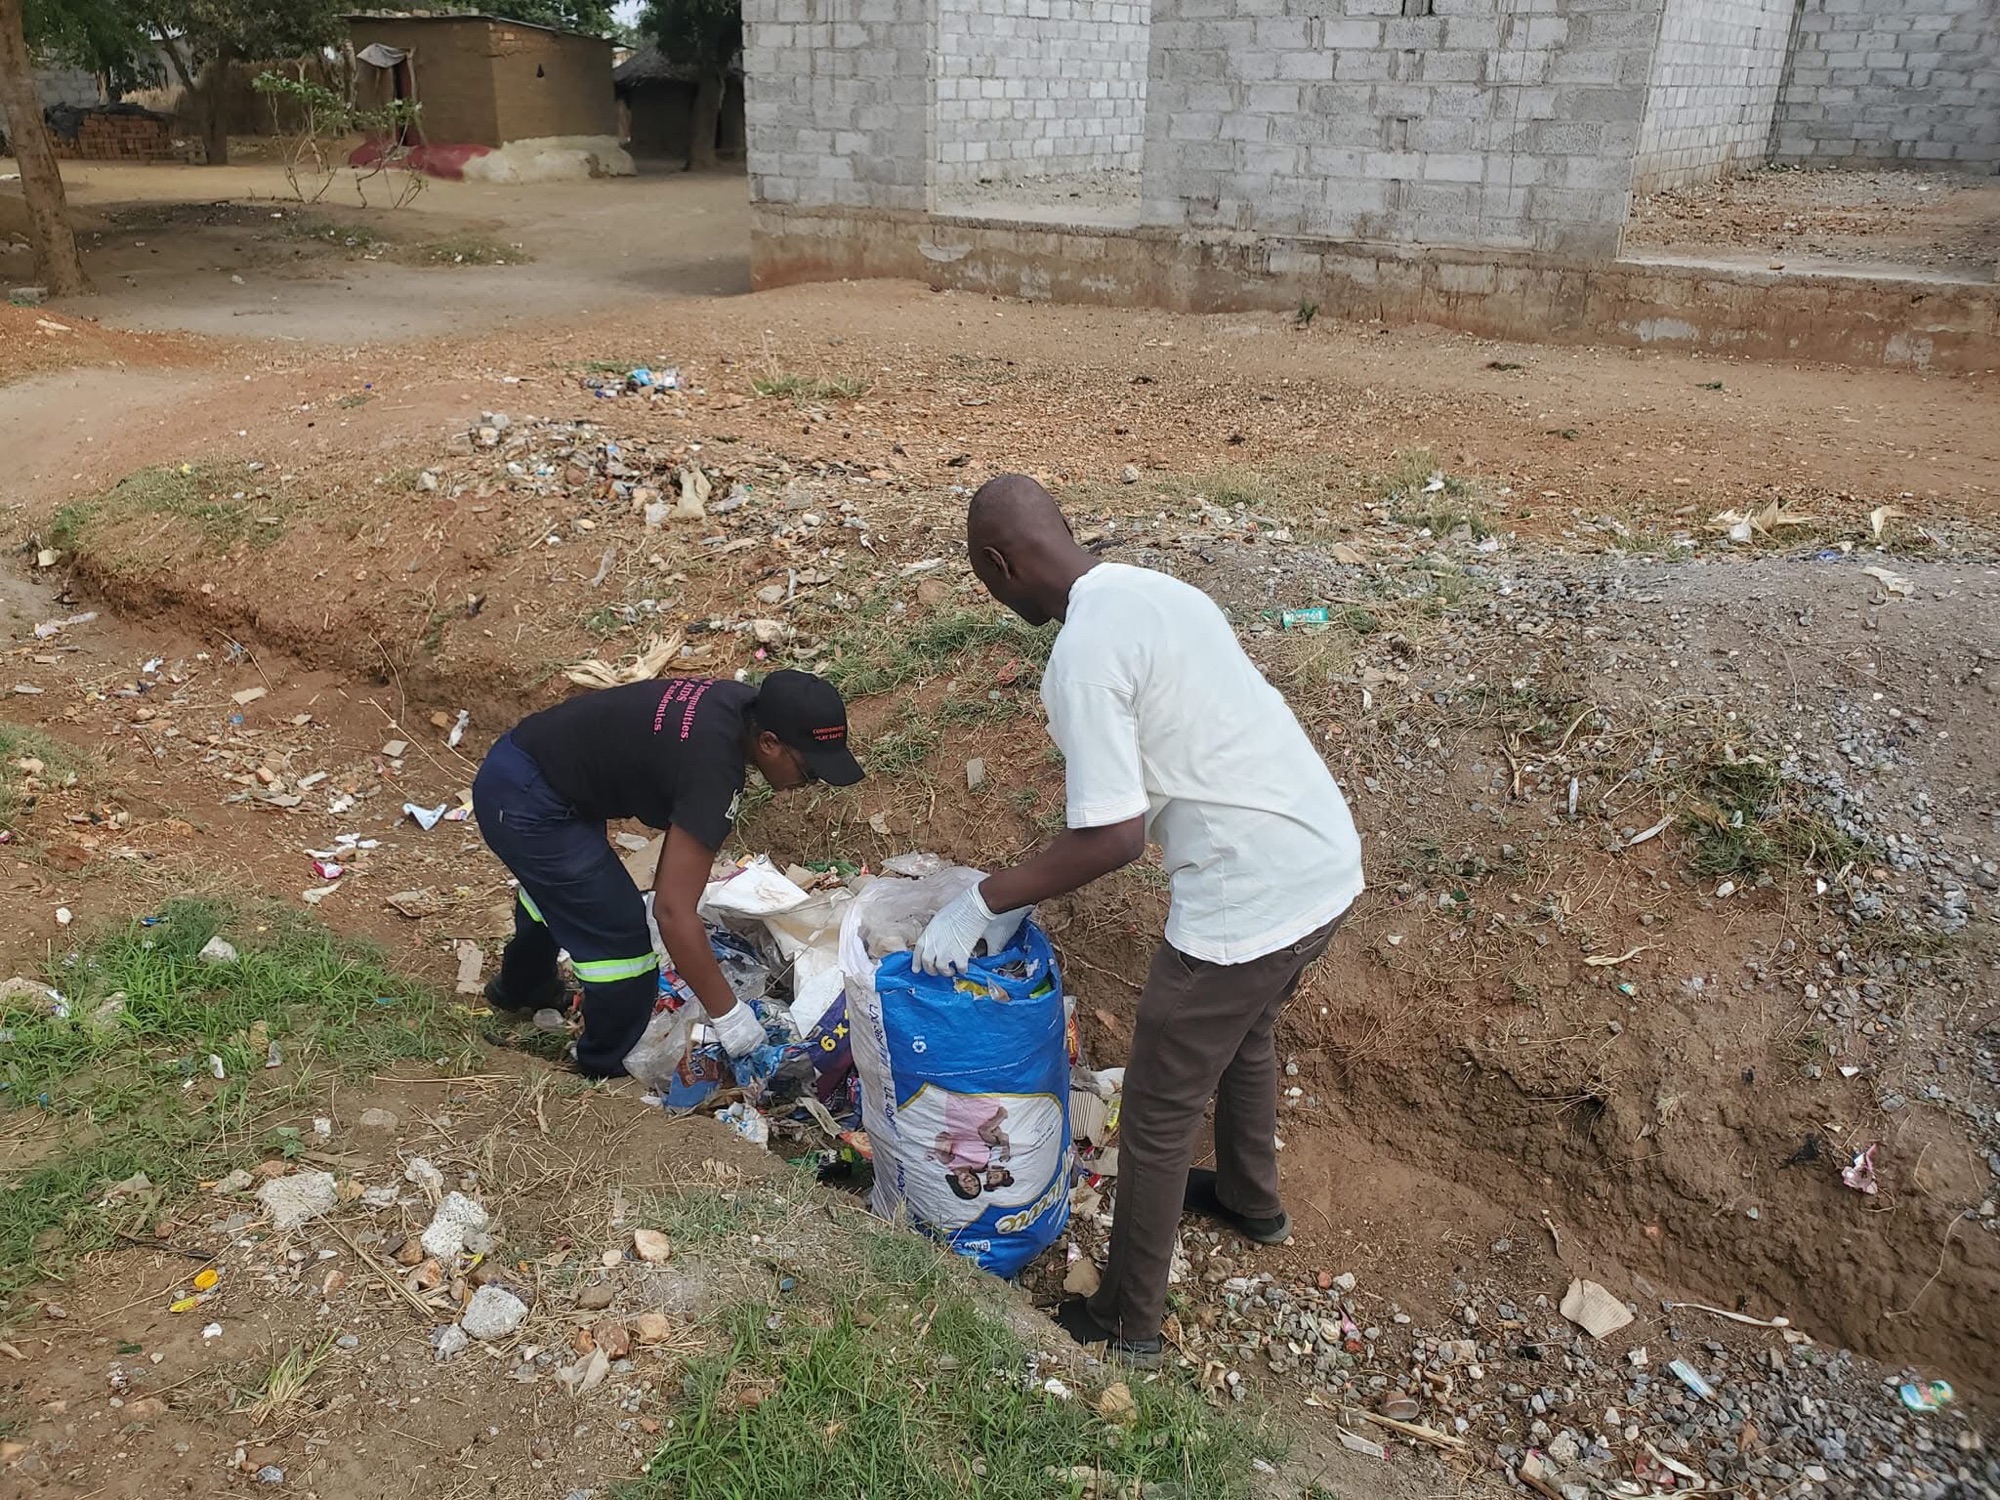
(1069, 861)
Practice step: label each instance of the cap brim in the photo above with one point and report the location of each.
(833, 764)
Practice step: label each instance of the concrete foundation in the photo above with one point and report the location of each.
(1931, 324)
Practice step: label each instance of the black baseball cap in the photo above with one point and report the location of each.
(806, 713)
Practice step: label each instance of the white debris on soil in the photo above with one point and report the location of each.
(493, 1313)
(292, 1200)
(218, 950)
(456, 1217)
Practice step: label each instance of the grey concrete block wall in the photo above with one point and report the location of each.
(1915, 82)
(1504, 123)
(1034, 89)
(57, 84)
(837, 101)
(1716, 74)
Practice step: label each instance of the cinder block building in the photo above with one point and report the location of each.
(880, 131)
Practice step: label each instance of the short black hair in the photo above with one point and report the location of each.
(958, 1187)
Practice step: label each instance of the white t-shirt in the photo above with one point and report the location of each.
(1157, 711)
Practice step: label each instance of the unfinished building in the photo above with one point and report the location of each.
(1468, 161)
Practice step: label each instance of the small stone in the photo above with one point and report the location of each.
(270, 1474)
(771, 593)
(449, 1342)
(395, 750)
(493, 1313)
(613, 1338)
(347, 1341)
(651, 1246)
(595, 1296)
(27, 296)
(217, 951)
(975, 775)
(291, 1201)
(456, 1217)
(238, 1181)
(652, 1328)
(1083, 1279)
(1129, 474)
(145, 1409)
(550, 1019)
(378, 1119)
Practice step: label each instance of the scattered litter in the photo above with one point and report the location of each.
(1366, 1447)
(48, 629)
(1734, 1317)
(131, 1187)
(1292, 619)
(248, 696)
(1606, 961)
(1893, 583)
(215, 1068)
(648, 664)
(1880, 517)
(1690, 1377)
(417, 905)
(1928, 1395)
(1654, 832)
(471, 961)
(1594, 1310)
(64, 916)
(587, 1374)
(747, 1121)
(1859, 1174)
(425, 818)
(458, 728)
(212, 1331)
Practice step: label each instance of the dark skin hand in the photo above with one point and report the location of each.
(1069, 861)
(682, 876)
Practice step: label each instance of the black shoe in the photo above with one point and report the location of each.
(1201, 1199)
(547, 995)
(1073, 1317)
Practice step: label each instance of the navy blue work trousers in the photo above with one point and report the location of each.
(574, 894)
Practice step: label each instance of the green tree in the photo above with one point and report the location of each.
(592, 17)
(707, 35)
(216, 33)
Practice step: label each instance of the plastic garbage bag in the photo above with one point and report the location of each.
(965, 1081)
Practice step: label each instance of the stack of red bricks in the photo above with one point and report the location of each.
(105, 136)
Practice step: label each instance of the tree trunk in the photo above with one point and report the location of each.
(213, 101)
(706, 117)
(41, 177)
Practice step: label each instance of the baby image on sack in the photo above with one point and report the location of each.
(972, 1145)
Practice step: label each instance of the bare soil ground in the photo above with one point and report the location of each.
(1545, 1047)
(1884, 222)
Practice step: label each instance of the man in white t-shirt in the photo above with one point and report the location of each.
(1170, 735)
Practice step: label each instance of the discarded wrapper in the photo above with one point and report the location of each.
(1926, 1395)
(1860, 1173)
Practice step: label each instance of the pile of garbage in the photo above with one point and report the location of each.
(954, 1090)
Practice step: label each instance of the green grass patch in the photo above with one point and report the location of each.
(1289, 492)
(790, 386)
(910, 1385)
(1421, 493)
(219, 507)
(871, 654)
(124, 1082)
(1743, 818)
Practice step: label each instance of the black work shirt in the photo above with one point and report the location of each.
(668, 752)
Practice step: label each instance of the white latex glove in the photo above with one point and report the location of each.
(957, 931)
(739, 1030)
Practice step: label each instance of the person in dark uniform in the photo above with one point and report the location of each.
(671, 753)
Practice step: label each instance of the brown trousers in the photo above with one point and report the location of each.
(1204, 1030)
